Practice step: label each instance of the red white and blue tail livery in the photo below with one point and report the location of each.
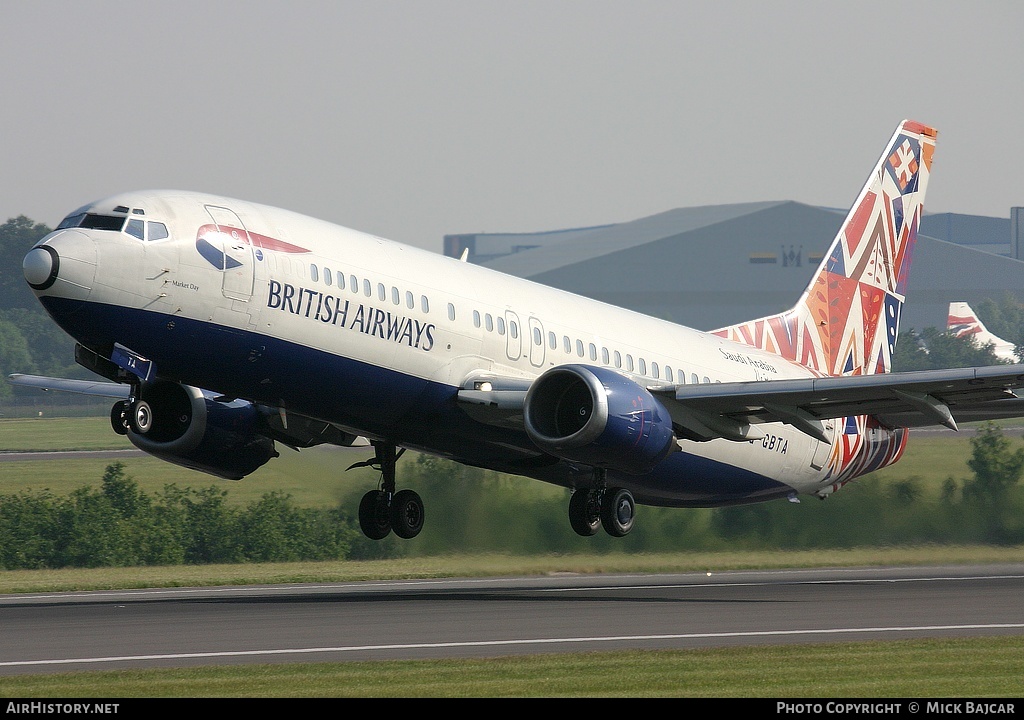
(964, 322)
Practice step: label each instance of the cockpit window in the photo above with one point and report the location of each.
(71, 221)
(102, 222)
(157, 231)
(147, 230)
(136, 228)
(92, 221)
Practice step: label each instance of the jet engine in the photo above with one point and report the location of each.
(185, 426)
(595, 416)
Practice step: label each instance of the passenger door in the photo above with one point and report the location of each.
(236, 244)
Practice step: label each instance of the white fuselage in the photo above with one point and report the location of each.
(292, 281)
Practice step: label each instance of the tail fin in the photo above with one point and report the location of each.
(964, 322)
(847, 320)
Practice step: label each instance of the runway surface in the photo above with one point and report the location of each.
(58, 632)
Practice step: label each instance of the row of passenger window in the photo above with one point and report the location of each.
(607, 357)
(492, 324)
(341, 281)
(497, 324)
(614, 358)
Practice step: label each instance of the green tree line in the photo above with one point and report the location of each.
(119, 525)
(475, 510)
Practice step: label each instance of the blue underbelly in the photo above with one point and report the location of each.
(377, 402)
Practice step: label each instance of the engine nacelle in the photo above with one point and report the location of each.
(182, 425)
(595, 416)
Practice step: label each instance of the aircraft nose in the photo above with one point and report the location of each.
(62, 264)
(41, 267)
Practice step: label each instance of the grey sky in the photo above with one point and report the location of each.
(412, 119)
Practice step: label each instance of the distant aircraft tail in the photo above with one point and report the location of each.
(847, 320)
(964, 322)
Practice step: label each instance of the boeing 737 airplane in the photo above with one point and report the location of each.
(964, 322)
(227, 327)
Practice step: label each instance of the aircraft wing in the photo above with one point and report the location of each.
(99, 388)
(911, 399)
(733, 410)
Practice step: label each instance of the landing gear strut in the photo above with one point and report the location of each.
(613, 508)
(384, 510)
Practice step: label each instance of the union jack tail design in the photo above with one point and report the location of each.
(847, 320)
(964, 322)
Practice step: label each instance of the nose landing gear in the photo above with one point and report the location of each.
(133, 414)
(136, 414)
(119, 417)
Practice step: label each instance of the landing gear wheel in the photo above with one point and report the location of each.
(384, 510)
(617, 512)
(141, 417)
(584, 512)
(406, 514)
(374, 515)
(119, 417)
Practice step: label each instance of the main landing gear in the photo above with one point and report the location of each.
(384, 510)
(591, 508)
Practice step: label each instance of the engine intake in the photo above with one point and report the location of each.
(596, 416)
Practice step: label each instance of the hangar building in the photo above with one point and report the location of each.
(713, 266)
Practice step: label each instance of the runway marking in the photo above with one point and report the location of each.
(506, 643)
(848, 581)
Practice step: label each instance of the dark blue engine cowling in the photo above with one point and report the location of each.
(595, 416)
(199, 432)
